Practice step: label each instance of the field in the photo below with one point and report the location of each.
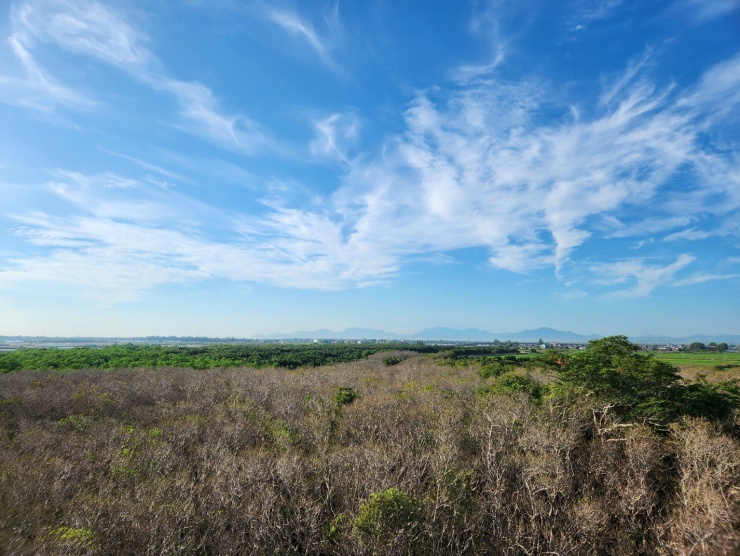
(724, 359)
(397, 453)
(712, 367)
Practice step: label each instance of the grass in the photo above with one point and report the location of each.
(698, 358)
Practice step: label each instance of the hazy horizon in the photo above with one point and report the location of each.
(431, 334)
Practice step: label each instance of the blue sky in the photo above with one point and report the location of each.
(232, 168)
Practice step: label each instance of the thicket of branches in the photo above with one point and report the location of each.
(360, 458)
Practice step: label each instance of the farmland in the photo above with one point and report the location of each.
(706, 358)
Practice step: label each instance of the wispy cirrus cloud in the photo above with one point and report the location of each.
(485, 23)
(705, 277)
(479, 169)
(199, 107)
(643, 276)
(334, 135)
(701, 11)
(130, 258)
(98, 31)
(476, 167)
(36, 88)
(123, 237)
(615, 228)
(323, 44)
(88, 28)
(293, 24)
(488, 174)
(582, 13)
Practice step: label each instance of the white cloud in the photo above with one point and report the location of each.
(625, 80)
(703, 10)
(199, 106)
(730, 227)
(646, 277)
(124, 237)
(645, 227)
(89, 28)
(103, 272)
(516, 258)
(593, 10)
(292, 23)
(334, 135)
(485, 23)
(478, 170)
(702, 278)
(149, 166)
(36, 88)
(476, 167)
(467, 72)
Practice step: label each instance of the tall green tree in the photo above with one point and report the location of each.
(636, 387)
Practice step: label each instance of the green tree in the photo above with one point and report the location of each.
(611, 371)
(637, 387)
(388, 517)
(345, 395)
(511, 384)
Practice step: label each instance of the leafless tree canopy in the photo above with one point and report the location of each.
(361, 458)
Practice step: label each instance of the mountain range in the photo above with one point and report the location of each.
(435, 334)
(475, 334)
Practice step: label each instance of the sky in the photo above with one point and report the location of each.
(236, 168)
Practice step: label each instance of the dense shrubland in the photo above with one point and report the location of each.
(567, 456)
(288, 356)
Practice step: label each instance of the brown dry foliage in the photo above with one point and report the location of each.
(244, 461)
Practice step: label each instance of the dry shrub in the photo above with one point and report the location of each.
(705, 518)
(244, 461)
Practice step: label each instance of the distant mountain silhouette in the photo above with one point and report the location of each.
(324, 334)
(438, 333)
(444, 333)
(548, 335)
